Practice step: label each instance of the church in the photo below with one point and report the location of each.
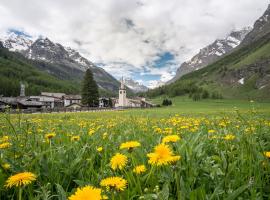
(124, 102)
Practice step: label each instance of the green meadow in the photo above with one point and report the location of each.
(211, 149)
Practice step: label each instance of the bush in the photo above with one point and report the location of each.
(216, 95)
(205, 94)
(167, 102)
(196, 96)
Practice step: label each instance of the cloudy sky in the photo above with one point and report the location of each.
(143, 39)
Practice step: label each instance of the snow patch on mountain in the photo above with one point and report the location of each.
(241, 81)
(15, 42)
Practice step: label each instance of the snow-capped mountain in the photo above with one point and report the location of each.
(58, 60)
(156, 83)
(260, 28)
(15, 42)
(134, 85)
(212, 52)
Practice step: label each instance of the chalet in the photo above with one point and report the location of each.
(71, 99)
(29, 104)
(48, 102)
(104, 102)
(11, 102)
(19, 103)
(58, 98)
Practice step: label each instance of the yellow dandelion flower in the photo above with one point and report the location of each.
(170, 138)
(91, 131)
(6, 166)
(161, 156)
(87, 193)
(50, 136)
(211, 131)
(5, 145)
(20, 179)
(99, 149)
(104, 135)
(139, 169)
(118, 161)
(229, 137)
(174, 159)
(75, 138)
(130, 145)
(4, 138)
(116, 183)
(267, 154)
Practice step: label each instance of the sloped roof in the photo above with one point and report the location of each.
(76, 97)
(53, 94)
(30, 103)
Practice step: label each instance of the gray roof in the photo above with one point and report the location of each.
(10, 100)
(71, 96)
(30, 103)
(53, 94)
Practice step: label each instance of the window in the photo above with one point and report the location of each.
(120, 92)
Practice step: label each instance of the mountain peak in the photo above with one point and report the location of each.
(135, 85)
(260, 28)
(16, 42)
(212, 52)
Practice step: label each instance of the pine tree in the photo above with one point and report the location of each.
(90, 95)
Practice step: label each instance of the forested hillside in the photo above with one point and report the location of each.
(14, 68)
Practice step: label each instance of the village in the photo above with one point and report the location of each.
(50, 101)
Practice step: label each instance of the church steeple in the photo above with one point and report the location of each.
(122, 87)
(122, 101)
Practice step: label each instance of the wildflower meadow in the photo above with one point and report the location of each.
(137, 154)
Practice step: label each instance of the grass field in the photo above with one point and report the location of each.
(192, 150)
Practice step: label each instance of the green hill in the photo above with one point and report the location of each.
(243, 74)
(14, 68)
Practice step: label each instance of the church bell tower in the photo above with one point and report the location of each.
(122, 94)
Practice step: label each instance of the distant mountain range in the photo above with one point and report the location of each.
(62, 62)
(212, 53)
(241, 71)
(134, 85)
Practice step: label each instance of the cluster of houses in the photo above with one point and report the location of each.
(49, 100)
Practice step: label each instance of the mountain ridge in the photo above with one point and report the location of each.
(211, 53)
(60, 61)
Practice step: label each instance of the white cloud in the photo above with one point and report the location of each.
(131, 32)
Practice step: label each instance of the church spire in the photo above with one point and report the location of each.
(122, 87)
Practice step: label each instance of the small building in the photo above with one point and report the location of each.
(104, 102)
(58, 98)
(20, 103)
(11, 102)
(29, 104)
(48, 102)
(71, 99)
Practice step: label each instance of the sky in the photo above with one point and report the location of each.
(146, 40)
